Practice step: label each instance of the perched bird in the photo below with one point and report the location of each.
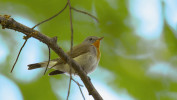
(87, 54)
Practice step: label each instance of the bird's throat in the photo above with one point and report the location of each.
(97, 45)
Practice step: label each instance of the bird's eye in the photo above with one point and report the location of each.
(90, 39)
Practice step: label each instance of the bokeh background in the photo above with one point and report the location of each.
(139, 51)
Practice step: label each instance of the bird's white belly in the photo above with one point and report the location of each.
(87, 61)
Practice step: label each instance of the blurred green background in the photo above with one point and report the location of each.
(139, 50)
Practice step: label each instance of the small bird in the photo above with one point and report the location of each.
(87, 54)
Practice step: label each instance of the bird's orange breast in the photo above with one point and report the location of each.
(97, 45)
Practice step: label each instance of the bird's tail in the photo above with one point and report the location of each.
(41, 64)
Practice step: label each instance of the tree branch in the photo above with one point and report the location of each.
(18, 55)
(51, 17)
(79, 85)
(10, 23)
(71, 49)
(47, 62)
(80, 11)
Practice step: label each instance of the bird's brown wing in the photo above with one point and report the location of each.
(77, 50)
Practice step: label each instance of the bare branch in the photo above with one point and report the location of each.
(77, 82)
(81, 91)
(26, 39)
(71, 25)
(47, 62)
(51, 17)
(79, 85)
(80, 11)
(69, 84)
(18, 55)
(71, 48)
(10, 23)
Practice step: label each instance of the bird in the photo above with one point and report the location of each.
(87, 54)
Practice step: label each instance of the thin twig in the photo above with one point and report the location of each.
(18, 55)
(81, 92)
(71, 27)
(77, 82)
(48, 61)
(26, 39)
(69, 84)
(79, 85)
(85, 13)
(51, 17)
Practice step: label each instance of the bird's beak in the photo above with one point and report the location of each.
(101, 38)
